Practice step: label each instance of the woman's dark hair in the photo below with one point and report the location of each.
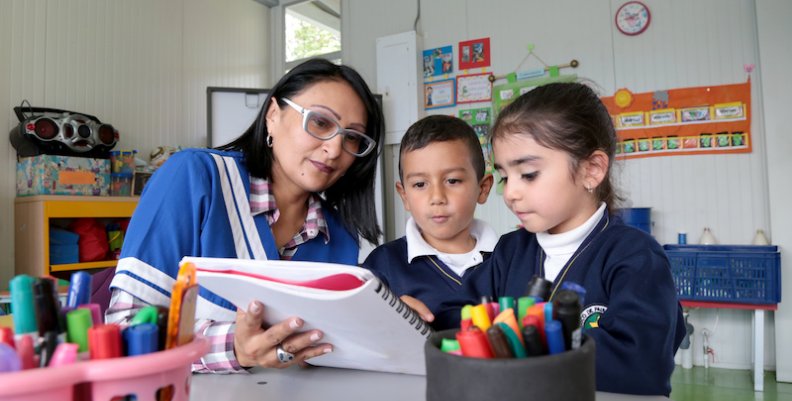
(568, 117)
(441, 128)
(352, 196)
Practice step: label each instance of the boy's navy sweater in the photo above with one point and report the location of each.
(426, 278)
(628, 280)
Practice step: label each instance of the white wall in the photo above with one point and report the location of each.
(774, 32)
(140, 65)
(689, 43)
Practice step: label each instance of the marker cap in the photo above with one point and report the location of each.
(7, 337)
(78, 322)
(141, 339)
(9, 360)
(23, 308)
(104, 341)
(79, 289)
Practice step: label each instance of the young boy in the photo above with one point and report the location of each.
(442, 177)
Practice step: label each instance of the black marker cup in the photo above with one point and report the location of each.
(568, 376)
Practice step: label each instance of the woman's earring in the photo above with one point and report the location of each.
(589, 189)
(269, 140)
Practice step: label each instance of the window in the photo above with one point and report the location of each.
(312, 29)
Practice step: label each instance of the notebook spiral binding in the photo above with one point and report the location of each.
(403, 309)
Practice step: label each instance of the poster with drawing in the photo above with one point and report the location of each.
(438, 61)
(474, 88)
(474, 53)
(438, 94)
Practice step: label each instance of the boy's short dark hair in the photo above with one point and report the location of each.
(440, 128)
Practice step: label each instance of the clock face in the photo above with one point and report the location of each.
(632, 18)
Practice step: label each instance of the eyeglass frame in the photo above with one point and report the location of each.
(339, 129)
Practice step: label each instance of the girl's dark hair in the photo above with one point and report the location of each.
(568, 117)
(352, 196)
(442, 128)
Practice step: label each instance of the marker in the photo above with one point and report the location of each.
(48, 346)
(23, 308)
(182, 307)
(506, 303)
(474, 344)
(96, 312)
(491, 306)
(146, 314)
(7, 337)
(480, 317)
(533, 343)
(78, 322)
(79, 289)
(104, 341)
(47, 307)
(25, 350)
(465, 321)
(141, 339)
(65, 354)
(523, 303)
(508, 317)
(539, 288)
(555, 339)
(498, 343)
(514, 341)
(450, 346)
(568, 285)
(548, 311)
(9, 360)
(566, 309)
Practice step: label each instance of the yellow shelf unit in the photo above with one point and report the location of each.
(32, 216)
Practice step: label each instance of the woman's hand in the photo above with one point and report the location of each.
(256, 346)
(418, 307)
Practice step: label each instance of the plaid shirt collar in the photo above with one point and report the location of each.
(263, 201)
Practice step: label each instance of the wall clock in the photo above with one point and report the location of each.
(633, 18)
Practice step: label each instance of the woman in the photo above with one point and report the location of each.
(298, 184)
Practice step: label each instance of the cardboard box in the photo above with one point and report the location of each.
(62, 175)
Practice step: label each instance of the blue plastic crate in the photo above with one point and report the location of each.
(747, 274)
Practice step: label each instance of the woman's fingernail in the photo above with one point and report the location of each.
(254, 307)
(315, 337)
(327, 350)
(295, 324)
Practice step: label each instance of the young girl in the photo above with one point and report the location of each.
(553, 148)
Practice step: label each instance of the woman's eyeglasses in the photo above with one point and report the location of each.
(321, 126)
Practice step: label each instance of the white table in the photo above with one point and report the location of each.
(757, 326)
(327, 384)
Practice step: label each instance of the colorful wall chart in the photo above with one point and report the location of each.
(683, 121)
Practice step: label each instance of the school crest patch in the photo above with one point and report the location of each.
(589, 318)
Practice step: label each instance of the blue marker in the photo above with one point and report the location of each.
(79, 290)
(23, 308)
(555, 338)
(141, 339)
(548, 311)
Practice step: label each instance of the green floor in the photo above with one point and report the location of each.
(699, 384)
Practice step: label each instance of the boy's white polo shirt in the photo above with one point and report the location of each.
(485, 237)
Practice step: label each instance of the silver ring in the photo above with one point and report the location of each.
(283, 355)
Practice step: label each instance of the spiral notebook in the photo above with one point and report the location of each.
(369, 326)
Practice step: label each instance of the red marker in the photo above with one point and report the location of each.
(104, 341)
(474, 344)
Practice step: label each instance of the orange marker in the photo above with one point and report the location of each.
(181, 318)
(507, 317)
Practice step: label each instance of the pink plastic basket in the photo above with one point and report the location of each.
(109, 379)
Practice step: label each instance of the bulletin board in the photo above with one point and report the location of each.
(683, 121)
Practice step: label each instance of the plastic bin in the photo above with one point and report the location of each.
(746, 274)
(639, 217)
(116, 378)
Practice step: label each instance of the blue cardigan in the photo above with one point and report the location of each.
(631, 308)
(196, 204)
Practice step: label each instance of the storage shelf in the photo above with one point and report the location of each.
(32, 215)
(83, 266)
